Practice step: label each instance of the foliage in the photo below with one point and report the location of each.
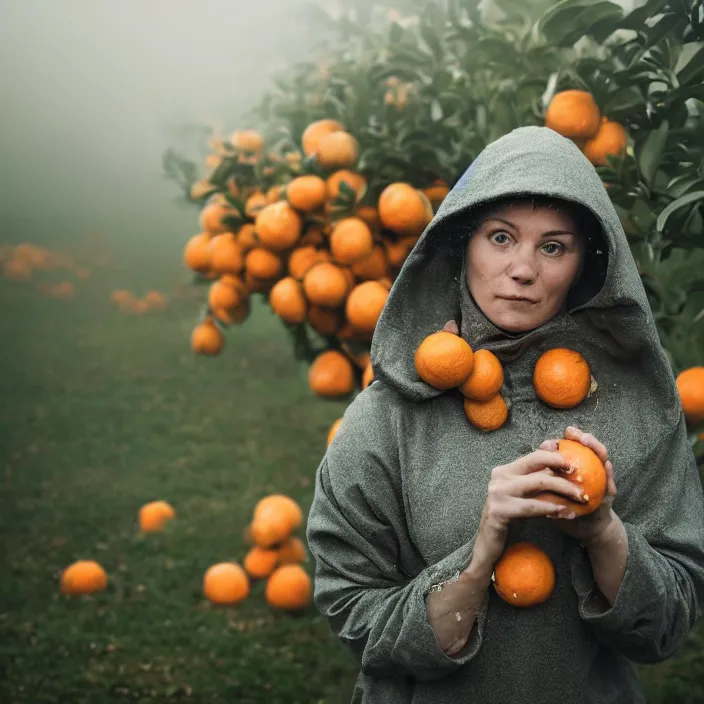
(424, 93)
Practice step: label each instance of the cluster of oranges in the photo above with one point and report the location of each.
(276, 555)
(20, 262)
(575, 114)
(562, 377)
(127, 302)
(321, 247)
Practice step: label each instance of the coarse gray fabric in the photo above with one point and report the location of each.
(401, 488)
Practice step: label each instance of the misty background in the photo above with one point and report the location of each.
(94, 91)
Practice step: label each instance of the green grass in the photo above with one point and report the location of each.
(103, 411)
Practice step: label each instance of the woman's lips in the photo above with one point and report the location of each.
(517, 299)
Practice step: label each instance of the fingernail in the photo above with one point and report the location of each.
(571, 515)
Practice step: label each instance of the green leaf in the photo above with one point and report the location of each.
(664, 26)
(693, 70)
(650, 153)
(570, 20)
(395, 33)
(636, 19)
(676, 205)
(679, 185)
(432, 39)
(642, 216)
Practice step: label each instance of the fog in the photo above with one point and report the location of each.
(94, 91)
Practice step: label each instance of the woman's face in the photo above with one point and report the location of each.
(521, 262)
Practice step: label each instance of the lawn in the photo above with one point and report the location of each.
(103, 411)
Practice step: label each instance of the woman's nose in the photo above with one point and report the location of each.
(523, 270)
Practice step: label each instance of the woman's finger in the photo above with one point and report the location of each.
(536, 461)
(588, 440)
(452, 326)
(549, 445)
(610, 481)
(573, 433)
(526, 484)
(534, 508)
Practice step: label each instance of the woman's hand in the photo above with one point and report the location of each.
(508, 498)
(452, 326)
(594, 526)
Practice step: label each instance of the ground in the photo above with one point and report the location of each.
(103, 411)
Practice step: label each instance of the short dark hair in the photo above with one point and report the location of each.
(583, 219)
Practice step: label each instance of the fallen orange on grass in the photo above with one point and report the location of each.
(83, 577)
(154, 516)
(226, 583)
(289, 588)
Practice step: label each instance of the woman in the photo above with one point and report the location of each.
(413, 506)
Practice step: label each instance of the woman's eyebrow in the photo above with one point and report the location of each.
(552, 233)
(549, 233)
(498, 219)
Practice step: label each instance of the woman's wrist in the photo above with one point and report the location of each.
(609, 532)
(453, 605)
(608, 554)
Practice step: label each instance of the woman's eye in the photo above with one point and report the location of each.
(500, 237)
(553, 248)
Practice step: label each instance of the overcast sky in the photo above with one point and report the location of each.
(92, 89)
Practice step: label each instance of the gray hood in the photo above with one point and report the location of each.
(431, 288)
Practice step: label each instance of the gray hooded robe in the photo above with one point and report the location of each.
(400, 491)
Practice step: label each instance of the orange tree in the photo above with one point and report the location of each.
(317, 207)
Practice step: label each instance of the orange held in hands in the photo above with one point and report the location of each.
(225, 583)
(83, 577)
(155, 515)
(587, 471)
(444, 360)
(524, 575)
(562, 378)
